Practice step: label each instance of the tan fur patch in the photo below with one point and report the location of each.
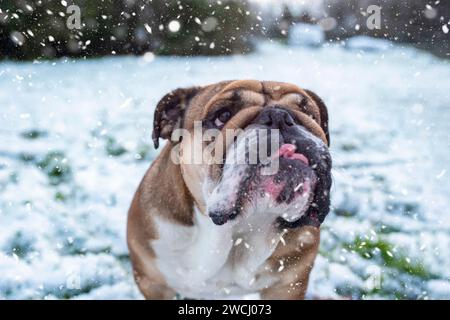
(170, 191)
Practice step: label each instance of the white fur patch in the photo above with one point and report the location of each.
(208, 261)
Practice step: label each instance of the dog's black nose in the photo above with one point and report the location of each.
(219, 217)
(275, 118)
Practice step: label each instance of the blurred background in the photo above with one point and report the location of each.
(46, 29)
(79, 80)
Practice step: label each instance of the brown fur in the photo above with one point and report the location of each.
(169, 190)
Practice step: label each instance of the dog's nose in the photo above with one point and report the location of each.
(275, 118)
(220, 218)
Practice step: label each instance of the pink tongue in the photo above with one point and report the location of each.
(287, 150)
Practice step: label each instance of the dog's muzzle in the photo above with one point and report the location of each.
(303, 178)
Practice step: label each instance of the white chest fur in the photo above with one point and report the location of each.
(210, 261)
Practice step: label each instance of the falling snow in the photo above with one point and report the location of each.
(77, 140)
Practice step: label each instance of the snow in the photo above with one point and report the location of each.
(440, 288)
(304, 34)
(365, 43)
(76, 140)
(445, 28)
(174, 26)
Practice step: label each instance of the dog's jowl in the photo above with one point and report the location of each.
(245, 219)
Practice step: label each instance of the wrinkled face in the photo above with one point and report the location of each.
(281, 192)
(277, 166)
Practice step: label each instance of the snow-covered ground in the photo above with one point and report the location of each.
(76, 140)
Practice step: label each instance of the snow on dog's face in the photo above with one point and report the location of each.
(273, 169)
(275, 166)
(288, 181)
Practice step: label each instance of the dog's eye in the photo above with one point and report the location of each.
(222, 118)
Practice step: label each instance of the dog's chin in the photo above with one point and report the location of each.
(285, 194)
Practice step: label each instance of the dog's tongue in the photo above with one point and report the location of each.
(287, 150)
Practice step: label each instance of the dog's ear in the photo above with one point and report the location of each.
(169, 113)
(323, 113)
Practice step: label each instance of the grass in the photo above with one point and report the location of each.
(56, 166)
(384, 250)
(67, 293)
(113, 148)
(143, 152)
(348, 147)
(345, 212)
(387, 229)
(33, 134)
(59, 196)
(405, 208)
(14, 177)
(19, 245)
(26, 157)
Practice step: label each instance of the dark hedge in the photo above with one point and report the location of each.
(38, 29)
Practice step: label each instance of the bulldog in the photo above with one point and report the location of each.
(218, 229)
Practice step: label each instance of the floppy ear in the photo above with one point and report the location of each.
(323, 113)
(169, 113)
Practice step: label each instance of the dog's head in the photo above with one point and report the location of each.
(250, 148)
